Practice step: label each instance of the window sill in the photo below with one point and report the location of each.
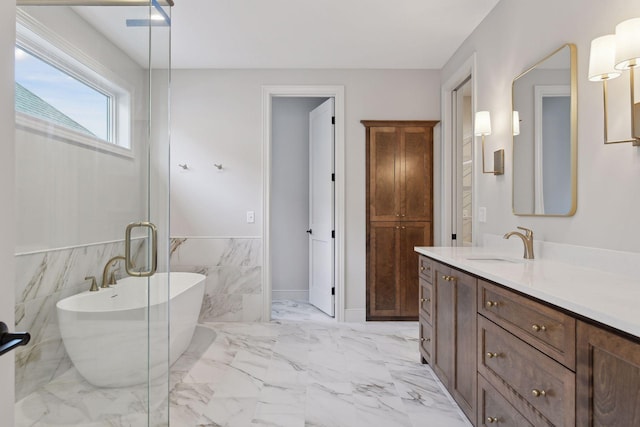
(61, 133)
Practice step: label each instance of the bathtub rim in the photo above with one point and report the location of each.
(63, 303)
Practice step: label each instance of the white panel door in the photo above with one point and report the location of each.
(321, 201)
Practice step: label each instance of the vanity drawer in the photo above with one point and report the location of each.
(495, 409)
(547, 329)
(426, 300)
(510, 363)
(425, 268)
(426, 339)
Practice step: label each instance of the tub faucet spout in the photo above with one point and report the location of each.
(527, 240)
(105, 271)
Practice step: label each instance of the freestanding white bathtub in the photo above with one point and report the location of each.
(112, 336)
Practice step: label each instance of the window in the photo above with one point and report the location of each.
(71, 97)
(48, 93)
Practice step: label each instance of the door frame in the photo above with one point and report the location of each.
(320, 91)
(443, 178)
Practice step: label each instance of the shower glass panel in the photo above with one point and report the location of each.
(92, 156)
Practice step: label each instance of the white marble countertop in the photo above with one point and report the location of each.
(611, 299)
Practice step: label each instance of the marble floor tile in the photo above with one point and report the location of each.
(300, 370)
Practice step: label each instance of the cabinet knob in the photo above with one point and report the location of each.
(490, 304)
(491, 355)
(538, 328)
(538, 393)
(422, 268)
(492, 420)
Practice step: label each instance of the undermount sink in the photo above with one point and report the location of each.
(496, 259)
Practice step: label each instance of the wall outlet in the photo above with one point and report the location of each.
(251, 217)
(482, 214)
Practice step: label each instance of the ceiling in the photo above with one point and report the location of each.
(401, 34)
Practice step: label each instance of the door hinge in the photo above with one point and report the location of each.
(333, 177)
(333, 290)
(453, 237)
(333, 234)
(333, 120)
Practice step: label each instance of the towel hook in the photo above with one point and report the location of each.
(219, 166)
(183, 166)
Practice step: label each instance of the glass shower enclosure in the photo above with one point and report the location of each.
(92, 208)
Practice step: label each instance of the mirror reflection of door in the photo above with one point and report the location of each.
(552, 152)
(462, 197)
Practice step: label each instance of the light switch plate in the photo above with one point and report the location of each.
(251, 217)
(482, 214)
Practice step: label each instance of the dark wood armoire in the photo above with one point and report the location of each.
(399, 214)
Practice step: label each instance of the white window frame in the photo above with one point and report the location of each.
(38, 40)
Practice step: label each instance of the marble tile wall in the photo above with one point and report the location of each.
(43, 279)
(233, 267)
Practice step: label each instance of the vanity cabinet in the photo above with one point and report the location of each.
(399, 213)
(608, 378)
(534, 364)
(425, 309)
(454, 329)
(526, 351)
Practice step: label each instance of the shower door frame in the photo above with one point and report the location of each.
(8, 165)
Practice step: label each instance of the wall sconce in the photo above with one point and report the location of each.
(482, 127)
(515, 127)
(610, 55)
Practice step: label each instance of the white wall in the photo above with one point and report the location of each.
(514, 36)
(69, 194)
(290, 197)
(217, 118)
(7, 43)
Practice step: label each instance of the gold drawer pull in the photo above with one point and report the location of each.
(538, 328)
(490, 304)
(422, 268)
(425, 299)
(448, 278)
(491, 355)
(425, 339)
(492, 420)
(538, 393)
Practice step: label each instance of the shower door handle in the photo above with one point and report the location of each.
(10, 341)
(129, 264)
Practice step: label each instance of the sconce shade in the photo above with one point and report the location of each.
(516, 123)
(602, 59)
(482, 123)
(628, 44)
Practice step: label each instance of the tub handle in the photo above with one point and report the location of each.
(10, 341)
(129, 265)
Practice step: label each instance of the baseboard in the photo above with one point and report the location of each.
(355, 315)
(293, 295)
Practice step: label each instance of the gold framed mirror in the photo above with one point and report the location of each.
(545, 136)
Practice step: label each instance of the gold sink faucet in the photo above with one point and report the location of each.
(527, 239)
(106, 280)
